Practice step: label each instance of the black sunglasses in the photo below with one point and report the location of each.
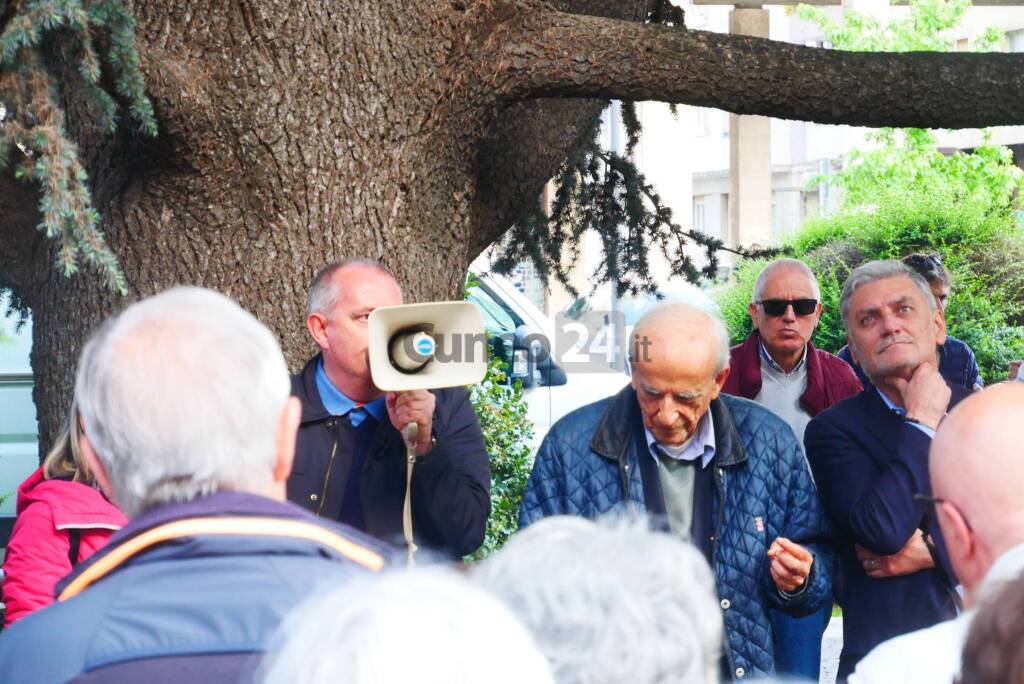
(777, 307)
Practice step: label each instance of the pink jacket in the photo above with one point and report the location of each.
(37, 554)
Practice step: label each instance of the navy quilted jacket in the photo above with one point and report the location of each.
(588, 466)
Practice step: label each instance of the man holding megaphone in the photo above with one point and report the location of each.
(351, 458)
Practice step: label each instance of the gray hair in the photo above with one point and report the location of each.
(873, 271)
(683, 314)
(786, 264)
(611, 602)
(323, 294)
(427, 626)
(182, 395)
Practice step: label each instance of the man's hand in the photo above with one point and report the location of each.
(791, 564)
(926, 396)
(414, 406)
(914, 556)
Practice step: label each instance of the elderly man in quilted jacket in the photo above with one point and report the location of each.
(721, 472)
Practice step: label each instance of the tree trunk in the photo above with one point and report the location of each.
(408, 131)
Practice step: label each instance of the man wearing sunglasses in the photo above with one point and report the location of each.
(779, 368)
(869, 456)
(976, 469)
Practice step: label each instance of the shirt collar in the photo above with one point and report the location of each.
(701, 445)
(337, 403)
(888, 402)
(767, 358)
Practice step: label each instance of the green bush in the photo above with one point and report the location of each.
(507, 432)
(982, 247)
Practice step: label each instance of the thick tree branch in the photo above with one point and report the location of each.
(554, 54)
(525, 145)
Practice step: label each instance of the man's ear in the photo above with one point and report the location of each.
(940, 326)
(957, 535)
(95, 465)
(316, 323)
(287, 431)
(752, 310)
(720, 382)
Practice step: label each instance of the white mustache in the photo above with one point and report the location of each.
(894, 339)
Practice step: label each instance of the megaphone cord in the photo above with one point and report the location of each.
(409, 434)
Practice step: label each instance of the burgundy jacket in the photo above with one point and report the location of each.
(829, 378)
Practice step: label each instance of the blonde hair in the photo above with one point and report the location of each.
(64, 460)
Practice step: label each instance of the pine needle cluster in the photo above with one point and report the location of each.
(33, 133)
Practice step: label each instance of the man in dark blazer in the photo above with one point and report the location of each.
(869, 456)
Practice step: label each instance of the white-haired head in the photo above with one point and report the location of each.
(427, 626)
(182, 395)
(611, 602)
(683, 322)
(784, 265)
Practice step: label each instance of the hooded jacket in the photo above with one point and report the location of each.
(54, 517)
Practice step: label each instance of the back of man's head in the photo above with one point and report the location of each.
(424, 626)
(611, 602)
(977, 466)
(182, 395)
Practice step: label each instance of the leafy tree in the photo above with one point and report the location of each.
(908, 161)
(414, 131)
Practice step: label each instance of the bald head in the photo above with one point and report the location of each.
(679, 358)
(675, 328)
(977, 465)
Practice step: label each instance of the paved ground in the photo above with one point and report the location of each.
(831, 645)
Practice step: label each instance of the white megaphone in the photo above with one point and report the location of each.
(427, 346)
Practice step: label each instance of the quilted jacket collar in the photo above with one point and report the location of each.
(614, 433)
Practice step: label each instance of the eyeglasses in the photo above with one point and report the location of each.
(777, 307)
(936, 500)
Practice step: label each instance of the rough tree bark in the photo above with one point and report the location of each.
(411, 131)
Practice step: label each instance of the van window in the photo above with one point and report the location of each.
(496, 318)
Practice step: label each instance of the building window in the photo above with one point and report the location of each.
(698, 216)
(1015, 40)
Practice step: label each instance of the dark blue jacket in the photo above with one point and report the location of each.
(198, 609)
(957, 365)
(868, 463)
(588, 466)
(451, 486)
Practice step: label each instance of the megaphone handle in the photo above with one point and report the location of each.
(409, 434)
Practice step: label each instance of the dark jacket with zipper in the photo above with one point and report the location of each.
(593, 461)
(451, 485)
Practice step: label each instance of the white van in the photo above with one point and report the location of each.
(529, 337)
